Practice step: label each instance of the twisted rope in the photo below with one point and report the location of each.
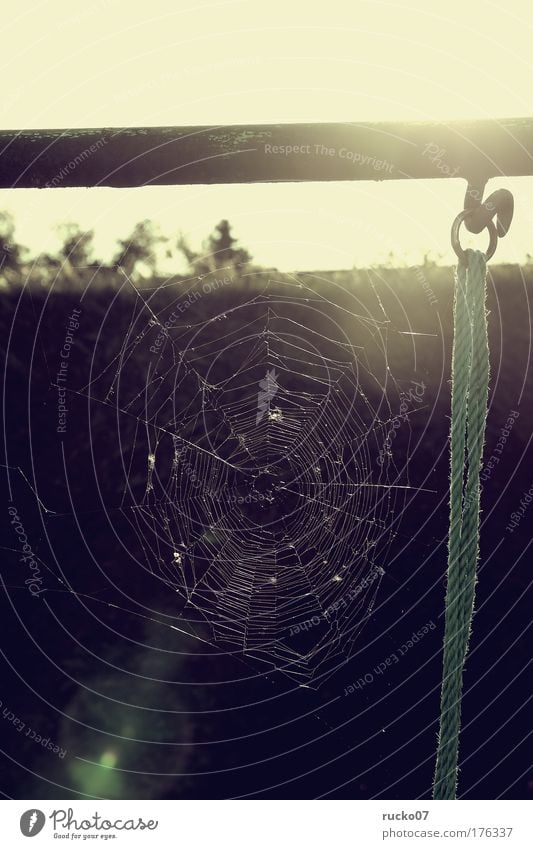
(470, 377)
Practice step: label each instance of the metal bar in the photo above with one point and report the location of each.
(473, 150)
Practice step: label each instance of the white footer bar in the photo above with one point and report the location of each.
(267, 824)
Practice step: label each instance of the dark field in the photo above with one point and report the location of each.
(122, 657)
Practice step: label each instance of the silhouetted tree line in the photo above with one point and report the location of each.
(136, 256)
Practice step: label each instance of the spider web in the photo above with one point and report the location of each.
(255, 479)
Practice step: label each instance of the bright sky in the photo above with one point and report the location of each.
(77, 63)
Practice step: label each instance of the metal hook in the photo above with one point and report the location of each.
(499, 205)
(456, 244)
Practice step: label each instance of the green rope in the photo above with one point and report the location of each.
(470, 378)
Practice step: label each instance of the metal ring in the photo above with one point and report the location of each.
(456, 245)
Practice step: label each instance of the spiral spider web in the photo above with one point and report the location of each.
(262, 505)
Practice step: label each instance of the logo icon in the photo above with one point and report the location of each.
(268, 389)
(32, 822)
